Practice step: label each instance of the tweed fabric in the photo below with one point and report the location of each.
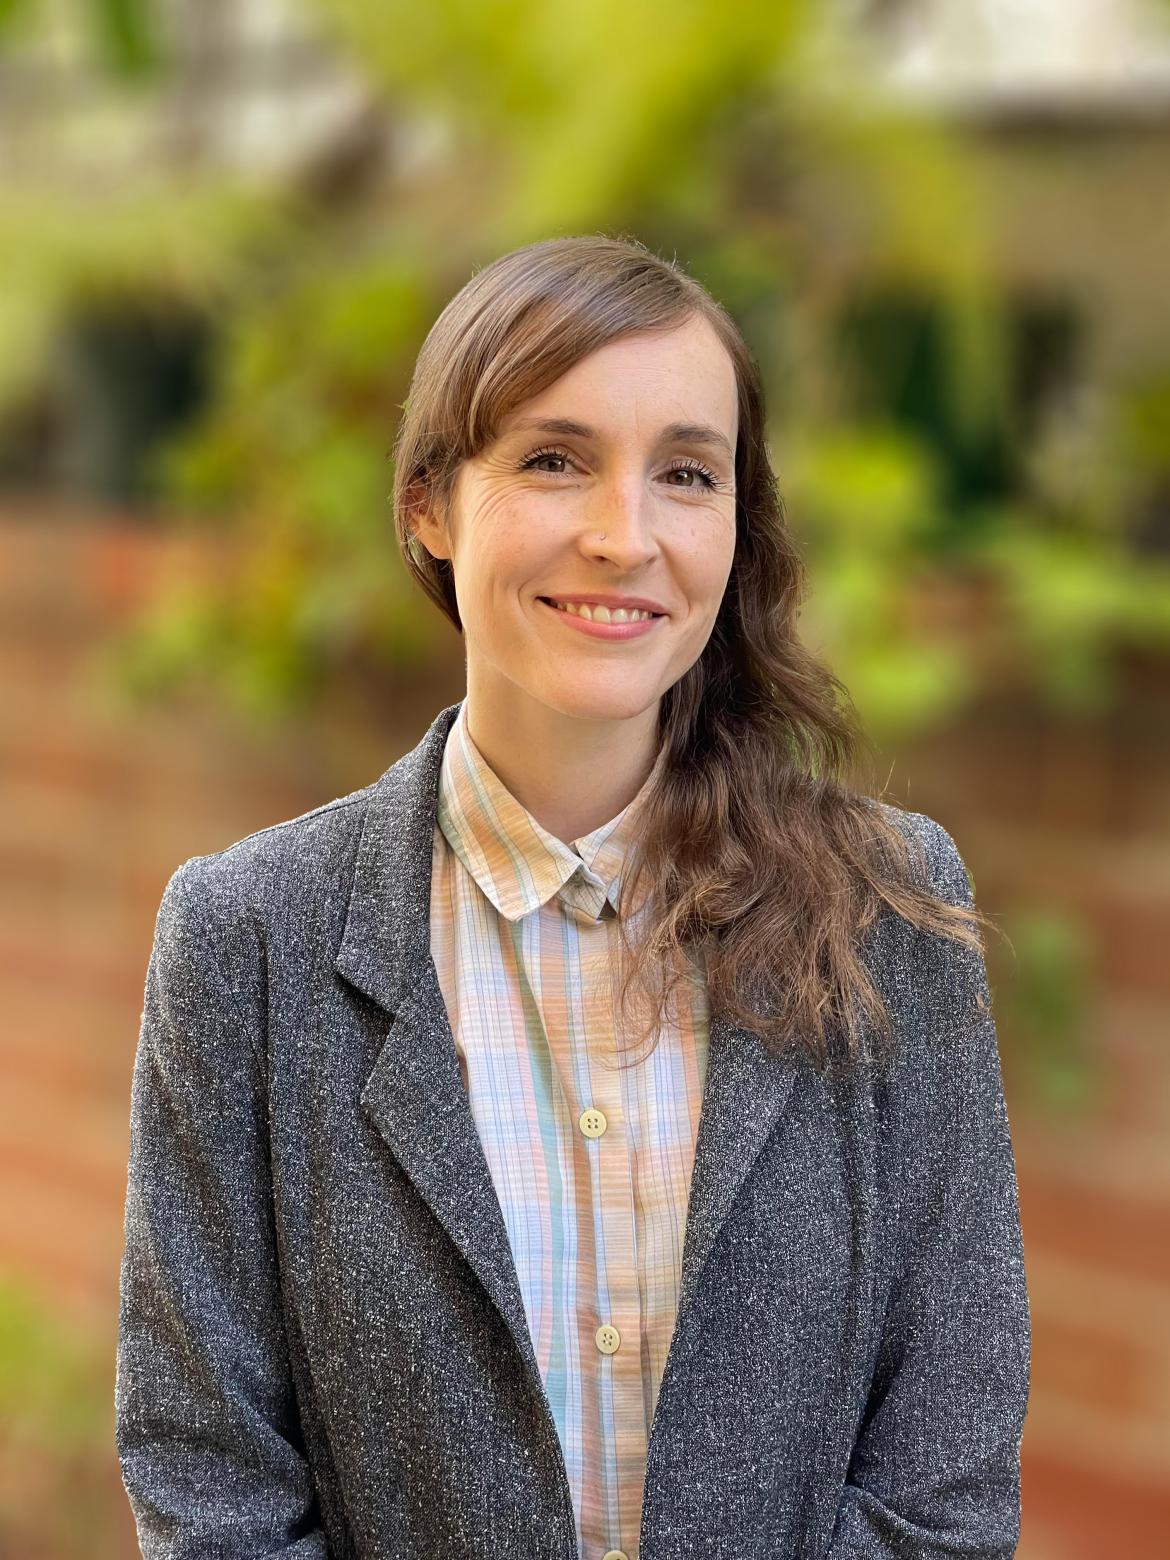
(323, 1349)
(524, 932)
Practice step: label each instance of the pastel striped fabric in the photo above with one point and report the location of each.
(591, 1163)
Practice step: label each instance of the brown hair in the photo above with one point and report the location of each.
(752, 848)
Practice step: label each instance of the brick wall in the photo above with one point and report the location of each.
(1077, 815)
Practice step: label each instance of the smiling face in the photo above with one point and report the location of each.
(616, 480)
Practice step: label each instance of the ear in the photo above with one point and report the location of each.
(427, 526)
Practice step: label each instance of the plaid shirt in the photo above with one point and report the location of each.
(591, 1163)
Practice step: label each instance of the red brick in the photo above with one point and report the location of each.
(1093, 1367)
(1089, 1514)
(1126, 1235)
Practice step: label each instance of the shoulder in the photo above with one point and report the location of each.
(282, 859)
(943, 868)
(937, 990)
(934, 984)
(272, 888)
(275, 869)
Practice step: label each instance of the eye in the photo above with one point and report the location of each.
(529, 462)
(707, 480)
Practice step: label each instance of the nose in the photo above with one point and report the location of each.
(620, 525)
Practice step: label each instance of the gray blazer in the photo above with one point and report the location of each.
(322, 1345)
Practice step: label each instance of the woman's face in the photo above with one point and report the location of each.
(636, 499)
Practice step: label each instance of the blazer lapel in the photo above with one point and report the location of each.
(415, 1095)
(747, 1086)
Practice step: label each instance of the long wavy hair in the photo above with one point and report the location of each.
(757, 862)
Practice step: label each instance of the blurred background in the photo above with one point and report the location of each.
(944, 225)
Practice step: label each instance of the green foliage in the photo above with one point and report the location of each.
(747, 145)
(1073, 599)
(1076, 585)
(546, 125)
(121, 33)
(58, 1472)
(1045, 1000)
(49, 1389)
(295, 451)
(125, 36)
(203, 241)
(866, 498)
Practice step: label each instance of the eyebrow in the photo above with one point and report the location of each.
(672, 433)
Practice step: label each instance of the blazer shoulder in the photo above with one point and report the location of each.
(275, 874)
(935, 853)
(938, 985)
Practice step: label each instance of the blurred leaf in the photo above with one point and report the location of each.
(204, 239)
(1045, 1001)
(126, 37)
(862, 490)
(11, 9)
(1072, 599)
(1143, 415)
(542, 125)
(52, 1385)
(59, 1490)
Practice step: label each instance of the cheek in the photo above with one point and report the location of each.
(486, 553)
(514, 531)
(514, 546)
(704, 566)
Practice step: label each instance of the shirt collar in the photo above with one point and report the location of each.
(517, 863)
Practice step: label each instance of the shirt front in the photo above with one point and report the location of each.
(591, 1162)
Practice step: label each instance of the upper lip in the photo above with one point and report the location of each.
(603, 598)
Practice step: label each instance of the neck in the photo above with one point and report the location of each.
(571, 774)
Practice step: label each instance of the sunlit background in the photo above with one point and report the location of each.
(225, 228)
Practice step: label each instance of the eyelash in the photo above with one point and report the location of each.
(711, 481)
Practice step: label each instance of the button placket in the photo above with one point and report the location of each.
(618, 1334)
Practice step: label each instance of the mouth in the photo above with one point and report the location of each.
(603, 628)
(589, 613)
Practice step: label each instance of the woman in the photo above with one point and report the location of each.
(421, 1259)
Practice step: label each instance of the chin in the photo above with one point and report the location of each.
(620, 702)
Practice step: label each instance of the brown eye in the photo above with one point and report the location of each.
(529, 463)
(707, 479)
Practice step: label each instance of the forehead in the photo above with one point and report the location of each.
(685, 374)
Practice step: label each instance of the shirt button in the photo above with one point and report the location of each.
(592, 1122)
(608, 1338)
(615, 1554)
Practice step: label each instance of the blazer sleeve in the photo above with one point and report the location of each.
(206, 1423)
(935, 1470)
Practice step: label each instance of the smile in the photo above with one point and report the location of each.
(608, 623)
(599, 614)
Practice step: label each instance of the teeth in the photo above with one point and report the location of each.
(600, 614)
